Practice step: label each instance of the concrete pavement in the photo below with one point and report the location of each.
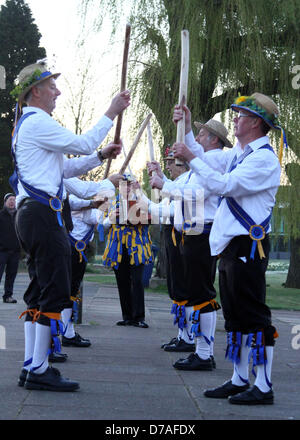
(126, 376)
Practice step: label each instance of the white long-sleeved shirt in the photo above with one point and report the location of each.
(41, 145)
(83, 220)
(85, 189)
(253, 184)
(194, 184)
(170, 206)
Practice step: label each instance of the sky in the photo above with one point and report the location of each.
(59, 24)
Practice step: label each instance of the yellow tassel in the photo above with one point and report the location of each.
(280, 154)
(173, 237)
(260, 250)
(80, 257)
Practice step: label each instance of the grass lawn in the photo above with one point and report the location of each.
(278, 297)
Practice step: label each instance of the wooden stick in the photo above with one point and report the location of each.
(152, 158)
(135, 143)
(183, 87)
(125, 156)
(123, 87)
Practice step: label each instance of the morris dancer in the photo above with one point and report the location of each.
(128, 249)
(247, 180)
(183, 342)
(85, 217)
(199, 265)
(39, 145)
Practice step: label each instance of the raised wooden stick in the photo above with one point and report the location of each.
(123, 87)
(152, 157)
(125, 156)
(183, 87)
(135, 143)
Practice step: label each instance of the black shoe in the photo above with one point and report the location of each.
(9, 300)
(193, 362)
(22, 377)
(173, 340)
(76, 341)
(225, 390)
(125, 322)
(50, 380)
(180, 346)
(253, 397)
(57, 357)
(140, 324)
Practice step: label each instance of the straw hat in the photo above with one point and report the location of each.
(31, 76)
(259, 105)
(216, 128)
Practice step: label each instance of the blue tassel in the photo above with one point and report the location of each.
(181, 323)
(249, 339)
(59, 218)
(56, 329)
(253, 249)
(173, 310)
(234, 340)
(100, 230)
(83, 256)
(75, 311)
(196, 329)
(197, 316)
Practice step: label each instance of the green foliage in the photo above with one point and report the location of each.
(16, 92)
(19, 47)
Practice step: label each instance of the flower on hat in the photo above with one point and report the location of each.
(16, 92)
(241, 99)
(249, 102)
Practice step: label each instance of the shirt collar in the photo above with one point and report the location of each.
(220, 150)
(34, 109)
(254, 145)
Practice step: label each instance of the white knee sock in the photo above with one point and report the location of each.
(262, 371)
(187, 335)
(241, 370)
(68, 324)
(179, 335)
(41, 349)
(203, 342)
(213, 331)
(29, 333)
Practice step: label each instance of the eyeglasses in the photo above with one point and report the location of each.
(244, 115)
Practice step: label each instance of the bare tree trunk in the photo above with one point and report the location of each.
(293, 277)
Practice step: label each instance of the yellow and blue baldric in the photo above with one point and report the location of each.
(55, 203)
(80, 245)
(135, 238)
(257, 232)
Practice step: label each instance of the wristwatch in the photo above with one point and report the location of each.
(100, 155)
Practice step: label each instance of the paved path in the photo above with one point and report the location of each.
(125, 375)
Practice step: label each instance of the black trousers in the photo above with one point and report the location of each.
(49, 258)
(177, 288)
(199, 270)
(131, 289)
(243, 288)
(78, 271)
(9, 262)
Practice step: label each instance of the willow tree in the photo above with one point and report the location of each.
(236, 46)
